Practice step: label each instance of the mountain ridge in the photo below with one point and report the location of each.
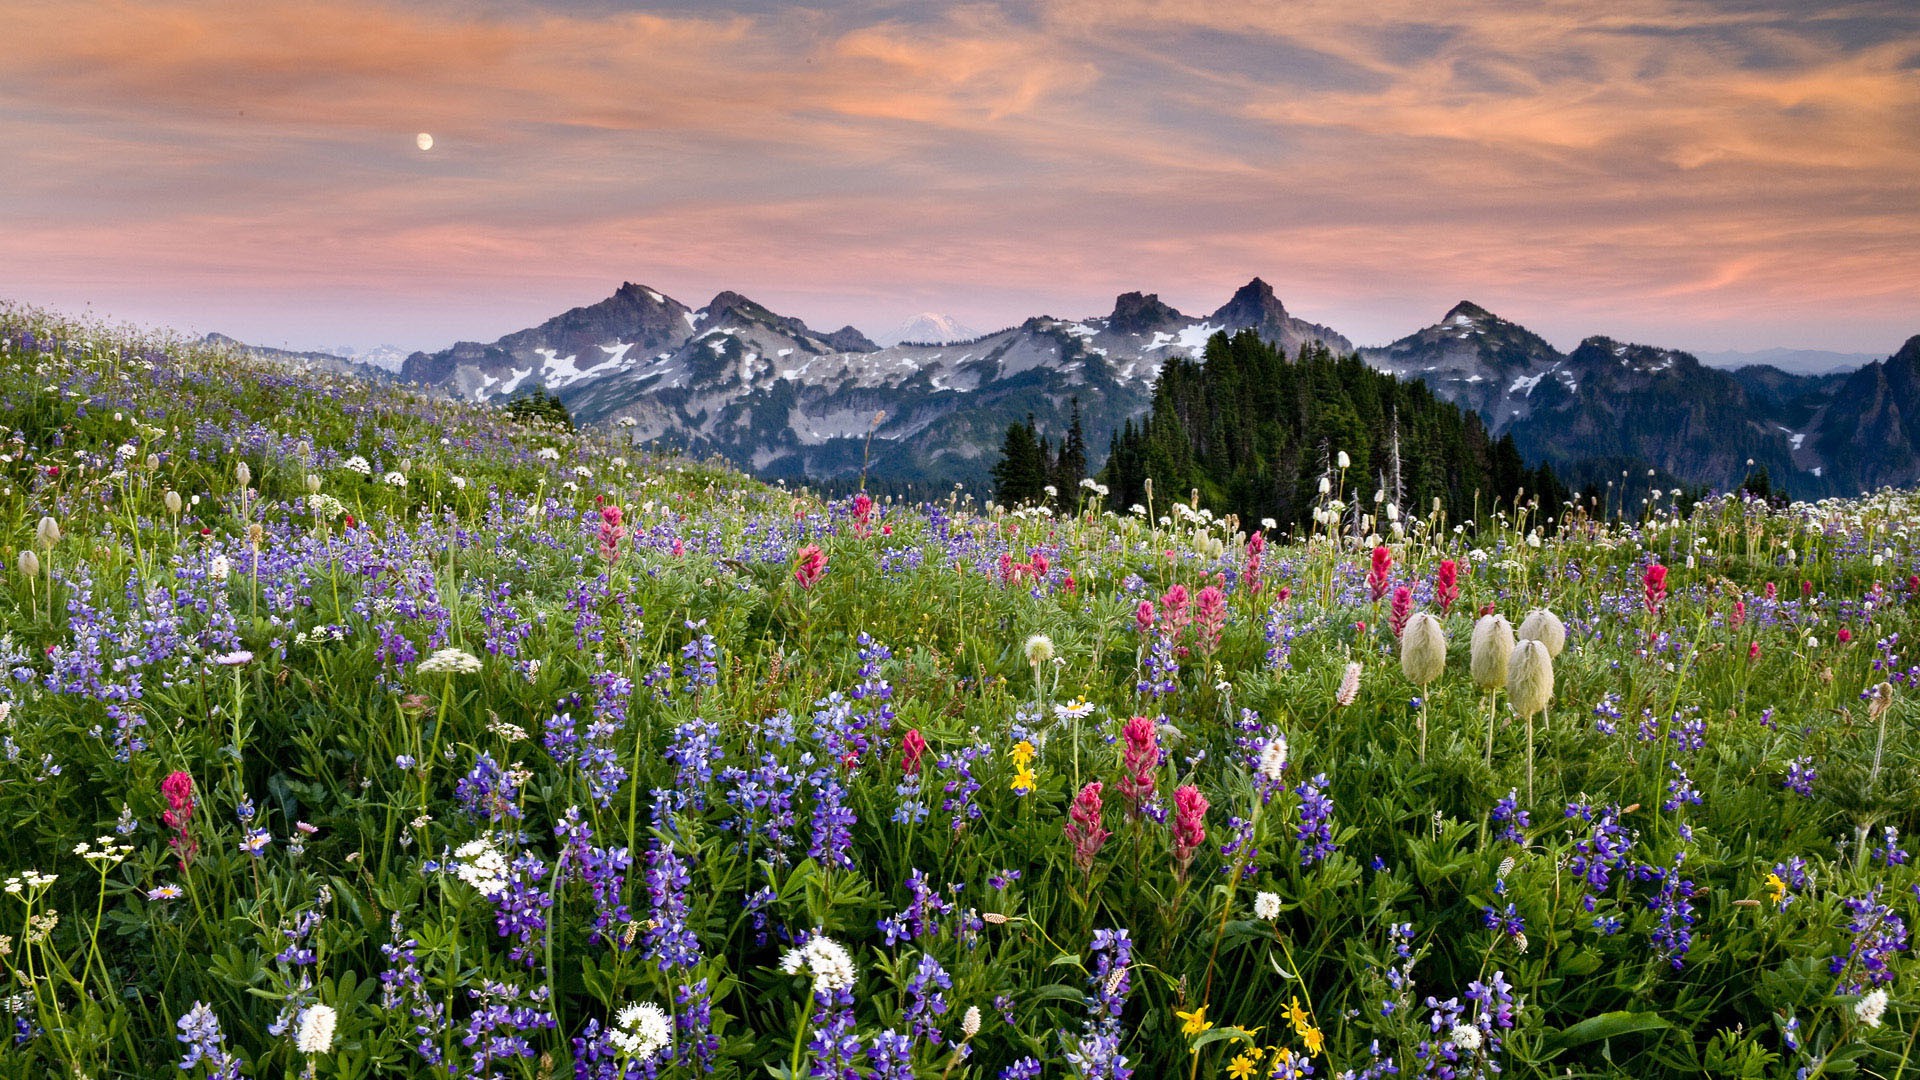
(782, 399)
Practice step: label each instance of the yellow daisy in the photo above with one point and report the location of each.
(1196, 1021)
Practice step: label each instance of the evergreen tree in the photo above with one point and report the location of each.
(540, 407)
(1021, 476)
(1070, 467)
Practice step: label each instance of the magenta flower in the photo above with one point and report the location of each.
(813, 563)
(1189, 826)
(1083, 826)
(1141, 761)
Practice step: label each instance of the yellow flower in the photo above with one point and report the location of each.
(1776, 887)
(1314, 1040)
(1024, 781)
(1298, 1017)
(1196, 1021)
(1243, 1066)
(1022, 754)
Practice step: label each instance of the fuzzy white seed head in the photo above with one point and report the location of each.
(172, 499)
(29, 563)
(1423, 649)
(1039, 649)
(1546, 628)
(1529, 677)
(48, 532)
(1492, 646)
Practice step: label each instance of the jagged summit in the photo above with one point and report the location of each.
(1254, 304)
(1140, 313)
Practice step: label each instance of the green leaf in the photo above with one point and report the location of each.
(1610, 1025)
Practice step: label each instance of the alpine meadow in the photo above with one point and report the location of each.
(352, 732)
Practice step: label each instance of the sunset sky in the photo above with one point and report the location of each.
(1705, 175)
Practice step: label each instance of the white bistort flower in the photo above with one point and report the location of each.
(1869, 1009)
(641, 1031)
(449, 661)
(316, 1029)
(480, 864)
(358, 464)
(1465, 1037)
(1266, 906)
(824, 959)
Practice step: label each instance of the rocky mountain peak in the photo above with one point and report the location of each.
(1140, 313)
(1253, 305)
(1467, 310)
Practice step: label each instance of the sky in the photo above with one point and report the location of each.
(1703, 174)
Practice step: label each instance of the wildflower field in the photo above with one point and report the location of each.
(353, 733)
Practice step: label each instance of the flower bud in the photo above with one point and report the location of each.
(313, 484)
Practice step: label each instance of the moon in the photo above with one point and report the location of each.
(424, 141)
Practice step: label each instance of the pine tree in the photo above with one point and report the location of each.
(1071, 465)
(1021, 476)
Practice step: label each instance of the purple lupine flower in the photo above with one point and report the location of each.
(960, 785)
(206, 1044)
(890, 1056)
(1598, 855)
(1508, 814)
(833, 821)
(697, 667)
(602, 869)
(1238, 855)
(696, 1043)
(488, 793)
(1680, 789)
(1507, 922)
(520, 909)
(1095, 1052)
(668, 939)
(498, 1028)
(1800, 776)
(836, 1047)
(1315, 831)
(1878, 934)
(1672, 936)
(403, 985)
(925, 1001)
(694, 750)
(921, 917)
(1888, 851)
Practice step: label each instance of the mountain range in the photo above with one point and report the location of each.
(782, 399)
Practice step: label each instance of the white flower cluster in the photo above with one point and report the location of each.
(109, 853)
(32, 879)
(548, 453)
(1273, 758)
(1266, 906)
(641, 1031)
(358, 464)
(395, 479)
(480, 864)
(823, 958)
(325, 507)
(449, 661)
(320, 635)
